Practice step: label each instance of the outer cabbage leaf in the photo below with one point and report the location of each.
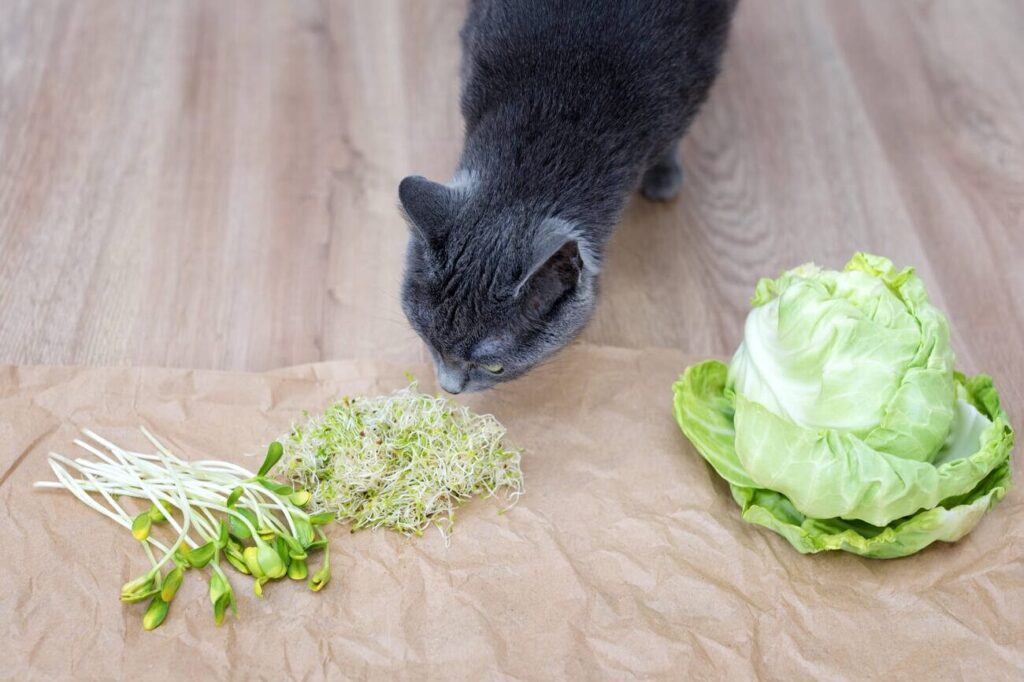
(704, 408)
(827, 473)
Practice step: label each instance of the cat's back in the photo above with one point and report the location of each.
(574, 47)
(585, 23)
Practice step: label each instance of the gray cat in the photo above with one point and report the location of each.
(569, 105)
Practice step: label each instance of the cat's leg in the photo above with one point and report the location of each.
(664, 178)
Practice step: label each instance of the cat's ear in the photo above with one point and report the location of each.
(556, 269)
(430, 207)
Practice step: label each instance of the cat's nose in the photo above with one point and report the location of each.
(451, 379)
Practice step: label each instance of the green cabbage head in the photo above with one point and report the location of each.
(841, 422)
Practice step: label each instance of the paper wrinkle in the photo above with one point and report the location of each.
(26, 449)
(626, 557)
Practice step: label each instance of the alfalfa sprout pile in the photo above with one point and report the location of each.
(401, 461)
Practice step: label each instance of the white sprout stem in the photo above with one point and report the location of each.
(231, 512)
(113, 503)
(253, 500)
(149, 555)
(72, 486)
(275, 502)
(206, 531)
(186, 510)
(132, 471)
(213, 522)
(146, 493)
(168, 459)
(195, 490)
(138, 493)
(75, 490)
(256, 506)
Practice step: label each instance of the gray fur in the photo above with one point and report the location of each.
(569, 105)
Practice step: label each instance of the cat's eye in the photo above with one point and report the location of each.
(494, 368)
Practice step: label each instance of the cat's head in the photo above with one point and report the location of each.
(492, 290)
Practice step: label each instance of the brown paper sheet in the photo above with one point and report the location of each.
(626, 556)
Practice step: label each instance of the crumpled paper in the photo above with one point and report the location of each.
(625, 557)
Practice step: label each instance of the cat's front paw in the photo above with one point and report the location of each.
(662, 182)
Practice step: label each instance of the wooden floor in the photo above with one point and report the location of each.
(212, 184)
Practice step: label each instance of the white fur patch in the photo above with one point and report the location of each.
(464, 180)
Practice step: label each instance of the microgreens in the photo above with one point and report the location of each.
(402, 461)
(215, 510)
